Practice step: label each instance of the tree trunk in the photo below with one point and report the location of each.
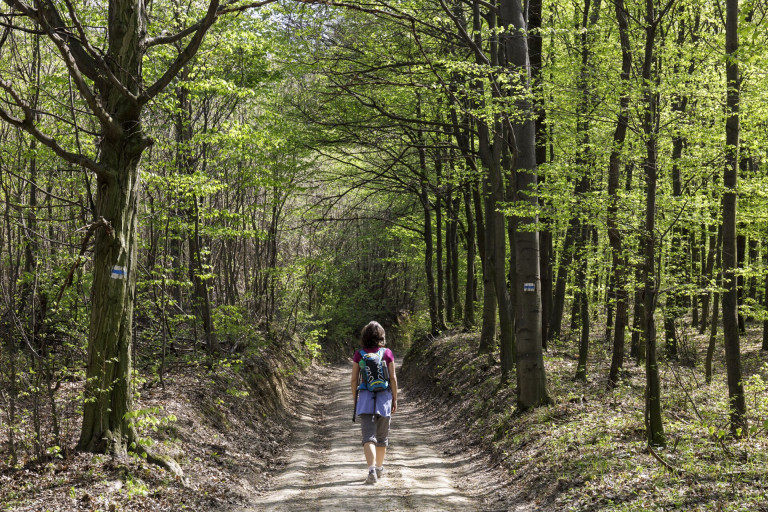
(582, 301)
(705, 278)
(453, 241)
(545, 235)
(531, 375)
(428, 251)
(495, 243)
(730, 295)
(491, 141)
(765, 298)
(469, 296)
(108, 393)
(439, 247)
(677, 252)
(715, 311)
(585, 162)
(619, 260)
(741, 249)
(696, 251)
(637, 342)
(201, 298)
(653, 420)
(566, 257)
(488, 326)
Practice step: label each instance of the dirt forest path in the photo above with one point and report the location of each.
(325, 468)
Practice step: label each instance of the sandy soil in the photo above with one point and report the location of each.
(325, 467)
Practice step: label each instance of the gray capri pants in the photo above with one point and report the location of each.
(375, 429)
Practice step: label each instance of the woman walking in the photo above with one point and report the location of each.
(374, 407)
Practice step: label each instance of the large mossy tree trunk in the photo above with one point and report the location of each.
(106, 427)
(108, 377)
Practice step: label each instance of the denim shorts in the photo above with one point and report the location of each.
(375, 429)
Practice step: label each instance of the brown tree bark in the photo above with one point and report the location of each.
(440, 271)
(470, 288)
(619, 259)
(706, 275)
(715, 310)
(653, 421)
(730, 295)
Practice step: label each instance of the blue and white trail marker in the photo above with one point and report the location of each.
(529, 287)
(118, 272)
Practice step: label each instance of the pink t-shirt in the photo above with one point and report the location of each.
(388, 356)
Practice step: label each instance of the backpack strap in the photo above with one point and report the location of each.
(361, 364)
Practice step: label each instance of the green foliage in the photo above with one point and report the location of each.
(146, 420)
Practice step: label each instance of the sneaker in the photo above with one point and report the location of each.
(371, 477)
(379, 472)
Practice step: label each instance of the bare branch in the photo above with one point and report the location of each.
(111, 129)
(28, 125)
(229, 7)
(170, 38)
(185, 56)
(47, 15)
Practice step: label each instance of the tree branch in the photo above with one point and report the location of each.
(185, 56)
(28, 125)
(49, 18)
(98, 56)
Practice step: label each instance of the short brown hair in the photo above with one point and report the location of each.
(373, 335)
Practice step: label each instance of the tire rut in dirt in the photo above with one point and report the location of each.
(326, 468)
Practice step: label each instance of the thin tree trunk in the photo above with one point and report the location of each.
(695, 251)
(428, 251)
(637, 342)
(535, 44)
(653, 420)
(715, 310)
(619, 260)
(454, 244)
(582, 299)
(741, 249)
(705, 278)
(566, 257)
(765, 298)
(449, 295)
(730, 295)
(677, 272)
(469, 296)
(440, 274)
